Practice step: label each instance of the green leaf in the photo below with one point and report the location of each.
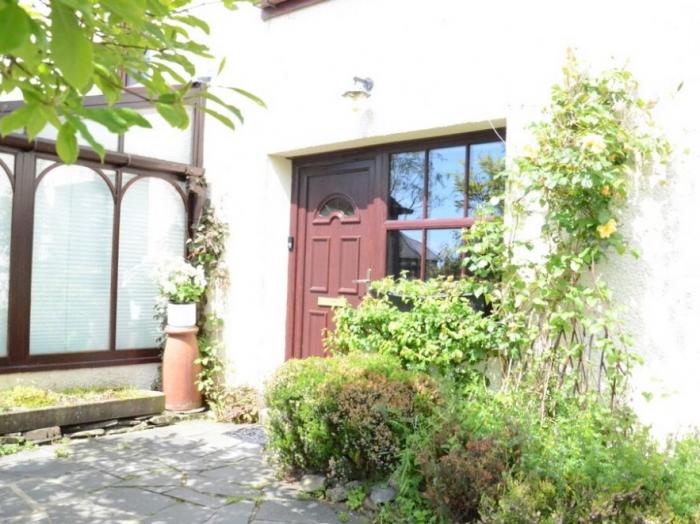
(175, 115)
(85, 133)
(16, 120)
(117, 120)
(14, 27)
(108, 84)
(222, 64)
(209, 95)
(70, 47)
(36, 121)
(131, 11)
(67, 144)
(193, 21)
(248, 95)
(221, 118)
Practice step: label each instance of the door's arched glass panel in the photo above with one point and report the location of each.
(5, 221)
(152, 231)
(338, 205)
(71, 262)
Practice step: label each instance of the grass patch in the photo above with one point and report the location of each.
(11, 449)
(21, 398)
(62, 453)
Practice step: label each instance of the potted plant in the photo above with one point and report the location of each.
(182, 285)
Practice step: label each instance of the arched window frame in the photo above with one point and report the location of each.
(337, 214)
(25, 180)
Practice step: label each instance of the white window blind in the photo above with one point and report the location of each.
(71, 262)
(5, 220)
(152, 230)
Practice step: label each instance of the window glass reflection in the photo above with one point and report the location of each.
(485, 161)
(446, 179)
(442, 257)
(5, 219)
(404, 252)
(406, 186)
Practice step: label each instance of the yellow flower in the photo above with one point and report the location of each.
(531, 150)
(594, 143)
(605, 191)
(607, 229)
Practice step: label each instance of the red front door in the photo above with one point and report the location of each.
(337, 232)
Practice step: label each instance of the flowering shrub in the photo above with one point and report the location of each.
(181, 283)
(345, 416)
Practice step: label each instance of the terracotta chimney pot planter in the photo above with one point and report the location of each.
(179, 369)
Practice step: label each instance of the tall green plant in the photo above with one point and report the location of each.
(562, 331)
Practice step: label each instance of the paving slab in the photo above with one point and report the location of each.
(181, 513)
(301, 511)
(238, 513)
(191, 472)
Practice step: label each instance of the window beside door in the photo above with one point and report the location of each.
(434, 193)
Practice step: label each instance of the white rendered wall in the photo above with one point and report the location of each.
(442, 67)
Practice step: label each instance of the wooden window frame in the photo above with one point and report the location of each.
(24, 183)
(426, 223)
(273, 8)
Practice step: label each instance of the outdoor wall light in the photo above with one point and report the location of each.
(361, 88)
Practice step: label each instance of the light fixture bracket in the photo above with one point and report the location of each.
(362, 88)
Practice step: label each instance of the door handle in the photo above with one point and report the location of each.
(364, 280)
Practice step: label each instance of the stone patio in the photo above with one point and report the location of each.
(192, 472)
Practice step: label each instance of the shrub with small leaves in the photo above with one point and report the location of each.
(432, 327)
(345, 416)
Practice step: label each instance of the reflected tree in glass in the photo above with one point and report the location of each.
(486, 161)
(446, 176)
(442, 254)
(406, 186)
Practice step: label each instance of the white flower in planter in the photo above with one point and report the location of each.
(181, 283)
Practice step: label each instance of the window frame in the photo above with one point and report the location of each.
(183, 177)
(425, 224)
(272, 8)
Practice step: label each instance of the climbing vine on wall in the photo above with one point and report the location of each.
(562, 333)
(206, 249)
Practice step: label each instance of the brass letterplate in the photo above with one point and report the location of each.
(331, 301)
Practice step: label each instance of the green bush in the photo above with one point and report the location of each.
(488, 457)
(345, 416)
(441, 333)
